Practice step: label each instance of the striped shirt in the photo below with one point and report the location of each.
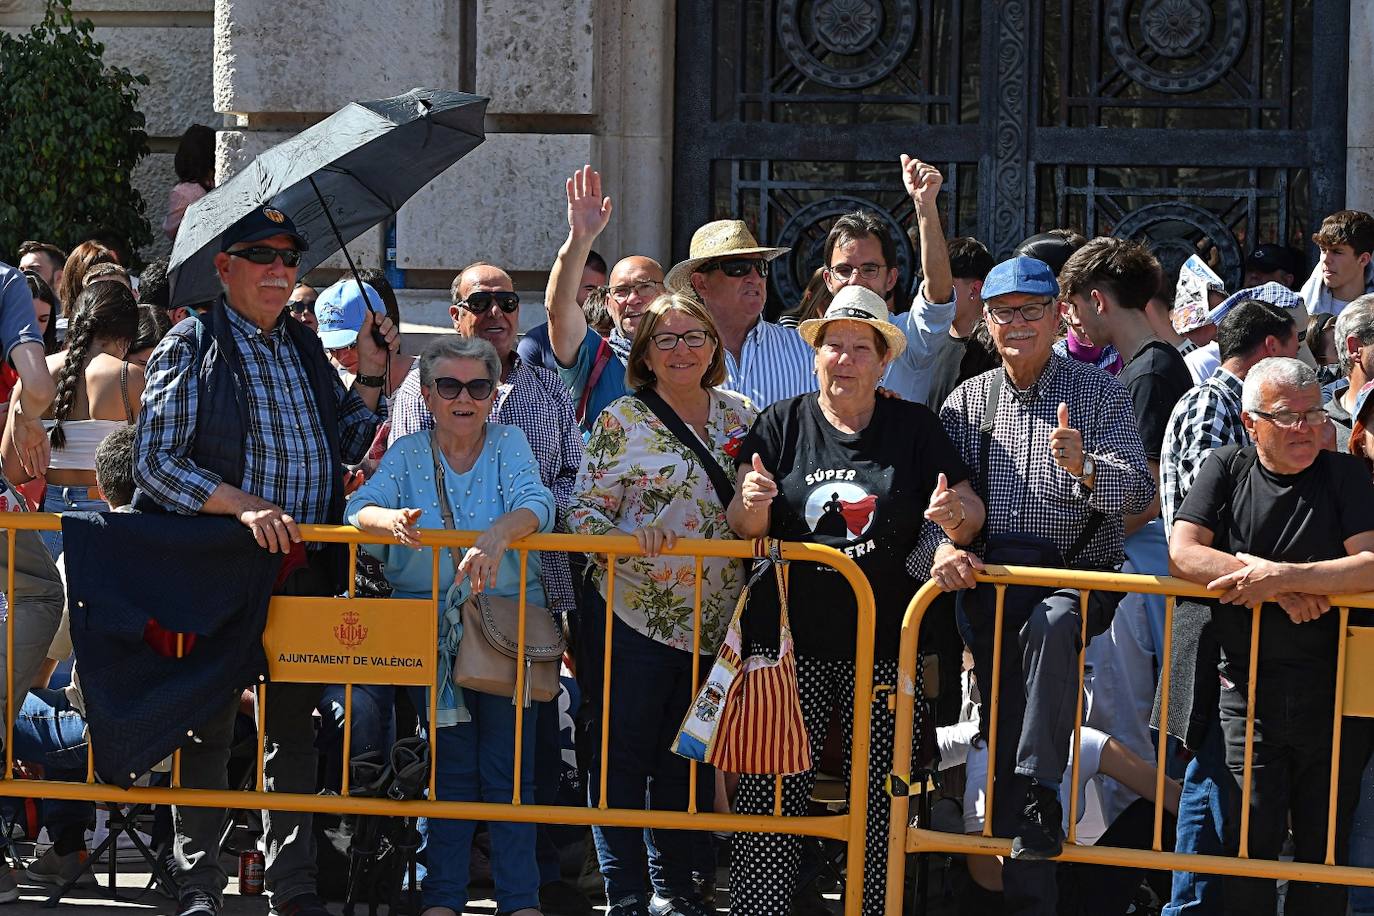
(533, 399)
(1023, 488)
(774, 364)
(286, 455)
(1205, 418)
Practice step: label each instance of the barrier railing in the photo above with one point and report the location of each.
(407, 630)
(1354, 686)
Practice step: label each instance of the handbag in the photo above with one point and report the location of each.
(488, 653)
(747, 717)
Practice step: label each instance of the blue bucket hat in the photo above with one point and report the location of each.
(340, 310)
(1020, 275)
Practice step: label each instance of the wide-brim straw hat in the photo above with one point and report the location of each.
(856, 303)
(723, 238)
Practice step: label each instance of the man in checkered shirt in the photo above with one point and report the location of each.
(1061, 457)
(1204, 419)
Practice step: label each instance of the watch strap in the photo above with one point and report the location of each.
(369, 381)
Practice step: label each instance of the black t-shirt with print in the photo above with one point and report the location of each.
(862, 494)
(1296, 518)
(1156, 377)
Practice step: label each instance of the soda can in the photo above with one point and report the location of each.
(251, 865)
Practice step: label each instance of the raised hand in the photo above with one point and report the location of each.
(1066, 444)
(946, 509)
(759, 489)
(922, 181)
(588, 211)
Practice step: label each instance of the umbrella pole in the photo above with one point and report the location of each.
(353, 268)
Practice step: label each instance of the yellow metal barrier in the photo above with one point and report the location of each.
(345, 640)
(1354, 696)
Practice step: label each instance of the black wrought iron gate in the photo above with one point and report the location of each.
(1190, 123)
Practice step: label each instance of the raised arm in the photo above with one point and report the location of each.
(588, 214)
(923, 184)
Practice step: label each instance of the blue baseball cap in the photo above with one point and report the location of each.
(262, 223)
(340, 310)
(1020, 275)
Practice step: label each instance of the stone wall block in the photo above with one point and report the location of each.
(154, 177)
(504, 202)
(344, 51)
(177, 63)
(536, 57)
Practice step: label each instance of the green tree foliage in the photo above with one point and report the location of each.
(70, 136)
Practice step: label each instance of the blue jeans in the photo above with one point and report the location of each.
(476, 762)
(374, 725)
(49, 731)
(1362, 843)
(651, 689)
(67, 499)
(1209, 794)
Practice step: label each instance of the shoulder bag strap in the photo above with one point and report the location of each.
(603, 356)
(985, 430)
(124, 390)
(441, 489)
(725, 488)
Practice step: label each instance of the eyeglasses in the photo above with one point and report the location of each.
(868, 271)
(1031, 311)
(738, 267)
(643, 289)
(1292, 419)
(263, 255)
(479, 303)
(449, 388)
(300, 308)
(668, 340)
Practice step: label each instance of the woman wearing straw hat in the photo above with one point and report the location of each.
(844, 468)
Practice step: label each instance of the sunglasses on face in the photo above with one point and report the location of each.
(480, 303)
(668, 340)
(449, 388)
(263, 255)
(300, 308)
(739, 267)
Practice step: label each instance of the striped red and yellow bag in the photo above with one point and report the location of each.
(754, 701)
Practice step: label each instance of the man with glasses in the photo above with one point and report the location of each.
(224, 431)
(1055, 455)
(592, 367)
(301, 306)
(1277, 526)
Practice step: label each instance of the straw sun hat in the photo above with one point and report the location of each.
(856, 303)
(724, 238)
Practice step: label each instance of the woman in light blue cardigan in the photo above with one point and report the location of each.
(492, 483)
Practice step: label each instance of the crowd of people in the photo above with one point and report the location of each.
(1058, 409)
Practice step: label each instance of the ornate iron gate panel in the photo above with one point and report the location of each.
(1207, 125)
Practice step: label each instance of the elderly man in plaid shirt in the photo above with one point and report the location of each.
(1204, 419)
(1057, 458)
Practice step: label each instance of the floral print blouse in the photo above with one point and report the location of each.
(637, 473)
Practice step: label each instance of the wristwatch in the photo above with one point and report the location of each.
(1089, 469)
(369, 381)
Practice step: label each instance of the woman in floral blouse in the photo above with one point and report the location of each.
(642, 479)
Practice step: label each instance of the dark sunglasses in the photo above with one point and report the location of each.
(449, 388)
(479, 303)
(264, 255)
(738, 267)
(300, 308)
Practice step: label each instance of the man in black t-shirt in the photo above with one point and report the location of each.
(1278, 525)
(959, 355)
(1107, 285)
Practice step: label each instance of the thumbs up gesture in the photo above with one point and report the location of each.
(759, 488)
(1066, 444)
(946, 509)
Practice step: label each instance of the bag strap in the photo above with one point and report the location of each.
(603, 357)
(725, 489)
(124, 390)
(441, 488)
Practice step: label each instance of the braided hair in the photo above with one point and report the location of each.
(103, 310)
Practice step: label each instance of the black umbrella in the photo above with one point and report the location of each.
(335, 180)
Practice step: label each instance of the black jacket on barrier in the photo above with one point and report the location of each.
(191, 574)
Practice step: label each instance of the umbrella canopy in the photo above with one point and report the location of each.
(335, 180)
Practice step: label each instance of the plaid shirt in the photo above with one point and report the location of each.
(1205, 418)
(1029, 493)
(286, 455)
(534, 399)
